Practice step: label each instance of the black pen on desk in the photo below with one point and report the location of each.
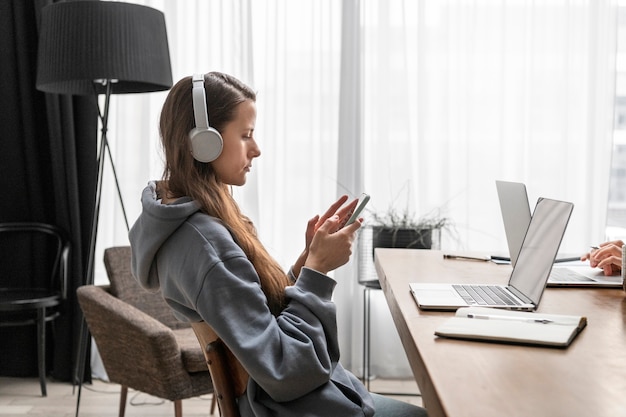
(595, 247)
(464, 257)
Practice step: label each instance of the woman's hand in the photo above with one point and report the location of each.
(336, 209)
(314, 224)
(331, 246)
(608, 257)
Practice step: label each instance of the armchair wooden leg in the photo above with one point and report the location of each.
(123, 395)
(213, 402)
(178, 408)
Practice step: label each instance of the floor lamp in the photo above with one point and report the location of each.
(101, 47)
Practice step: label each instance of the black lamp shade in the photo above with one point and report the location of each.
(84, 42)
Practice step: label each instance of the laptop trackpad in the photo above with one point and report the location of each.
(442, 297)
(437, 294)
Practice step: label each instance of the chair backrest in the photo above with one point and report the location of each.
(23, 242)
(125, 287)
(229, 377)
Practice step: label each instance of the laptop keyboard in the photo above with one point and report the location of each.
(563, 274)
(485, 295)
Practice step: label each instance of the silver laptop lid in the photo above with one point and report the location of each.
(515, 214)
(540, 246)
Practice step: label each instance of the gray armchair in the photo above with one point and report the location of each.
(141, 343)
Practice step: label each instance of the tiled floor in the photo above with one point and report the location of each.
(21, 397)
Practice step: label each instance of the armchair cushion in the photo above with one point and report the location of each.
(188, 343)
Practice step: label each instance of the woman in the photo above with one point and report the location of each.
(193, 244)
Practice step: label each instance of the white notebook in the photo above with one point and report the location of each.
(506, 326)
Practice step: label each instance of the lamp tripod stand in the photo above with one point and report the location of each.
(83, 340)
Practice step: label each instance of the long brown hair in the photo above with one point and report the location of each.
(184, 176)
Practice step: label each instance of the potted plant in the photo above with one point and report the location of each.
(401, 229)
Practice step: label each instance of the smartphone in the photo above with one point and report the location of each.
(359, 208)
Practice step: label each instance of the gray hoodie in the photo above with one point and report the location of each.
(292, 359)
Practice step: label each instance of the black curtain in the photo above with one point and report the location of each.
(48, 170)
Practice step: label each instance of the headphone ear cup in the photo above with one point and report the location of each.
(206, 144)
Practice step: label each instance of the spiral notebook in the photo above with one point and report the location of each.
(517, 327)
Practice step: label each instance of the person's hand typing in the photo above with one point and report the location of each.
(608, 257)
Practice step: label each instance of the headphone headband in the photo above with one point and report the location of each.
(199, 102)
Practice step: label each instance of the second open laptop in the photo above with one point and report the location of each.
(528, 278)
(516, 216)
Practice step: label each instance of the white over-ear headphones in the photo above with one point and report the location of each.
(206, 142)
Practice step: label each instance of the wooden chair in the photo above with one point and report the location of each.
(229, 377)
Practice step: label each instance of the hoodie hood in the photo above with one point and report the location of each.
(153, 227)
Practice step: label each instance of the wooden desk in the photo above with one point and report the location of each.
(464, 378)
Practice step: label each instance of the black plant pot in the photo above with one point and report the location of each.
(384, 237)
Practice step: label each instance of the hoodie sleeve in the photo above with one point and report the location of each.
(287, 356)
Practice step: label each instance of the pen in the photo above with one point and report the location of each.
(469, 258)
(485, 317)
(572, 259)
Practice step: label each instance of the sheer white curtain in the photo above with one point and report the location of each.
(459, 94)
(435, 99)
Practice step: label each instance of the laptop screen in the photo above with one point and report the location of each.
(540, 247)
(515, 214)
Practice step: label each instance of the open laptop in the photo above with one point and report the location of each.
(516, 217)
(582, 276)
(529, 275)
